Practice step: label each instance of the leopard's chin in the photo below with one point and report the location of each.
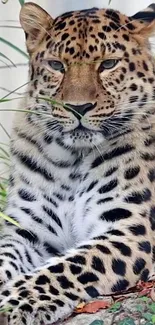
(83, 139)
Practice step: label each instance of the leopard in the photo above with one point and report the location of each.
(82, 175)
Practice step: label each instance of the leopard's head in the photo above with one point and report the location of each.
(91, 72)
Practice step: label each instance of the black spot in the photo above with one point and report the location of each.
(14, 265)
(124, 249)
(72, 22)
(139, 197)
(10, 255)
(60, 26)
(44, 297)
(132, 66)
(91, 48)
(126, 37)
(59, 268)
(108, 187)
(140, 74)
(53, 216)
(91, 186)
(5, 293)
(145, 247)
(151, 175)
(144, 276)
(92, 292)
(77, 259)
(107, 199)
(103, 249)
(13, 302)
(138, 230)
(53, 291)
(59, 302)
(147, 157)
(115, 232)
(24, 293)
(64, 282)
(71, 296)
(75, 269)
(145, 66)
(119, 266)
(112, 154)
(39, 289)
(50, 249)
(110, 171)
(152, 217)
(33, 166)
(25, 195)
(101, 237)
(48, 139)
(87, 277)
(19, 283)
(113, 15)
(133, 99)
(102, 36)
(52, 308)
(97, 264)
(113, 26)
(138, 265)
(64, 36)
(115, 214)
(85, 247)
(121, 285)
(106, 29)
(131, 172)
(26, 308)
(29, 235)
(130, 26)
(42, 279)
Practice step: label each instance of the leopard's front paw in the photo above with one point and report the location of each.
(28, 303)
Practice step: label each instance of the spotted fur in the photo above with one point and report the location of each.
(82, 182)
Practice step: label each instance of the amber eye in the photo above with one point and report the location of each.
(108, 64)
(56, 65)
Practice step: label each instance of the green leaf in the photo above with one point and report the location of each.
(152, 308)
(5, 309)
(13, 46)
(139, 308)
(115, 307)
(153, 319)
(145, 299)
(97, 322)
(147, 316)
(127, 321)
(5, 57)
(21, 2)
(5, 217)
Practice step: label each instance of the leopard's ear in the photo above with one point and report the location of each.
(36, 22)
(144, 22)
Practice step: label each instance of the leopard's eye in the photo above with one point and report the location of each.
(56, 65)
(108, 64)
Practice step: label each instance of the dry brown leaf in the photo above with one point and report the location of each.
(93, 307)
(152, 294)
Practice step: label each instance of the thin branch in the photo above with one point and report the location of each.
(12, 66)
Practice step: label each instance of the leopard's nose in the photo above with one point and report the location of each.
(79, 110)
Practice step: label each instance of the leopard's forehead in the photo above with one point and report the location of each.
(86, 33)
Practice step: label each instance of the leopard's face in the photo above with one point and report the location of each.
(98, 73)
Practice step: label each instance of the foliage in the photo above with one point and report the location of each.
(127, 321)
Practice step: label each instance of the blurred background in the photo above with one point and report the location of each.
(13, 75)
